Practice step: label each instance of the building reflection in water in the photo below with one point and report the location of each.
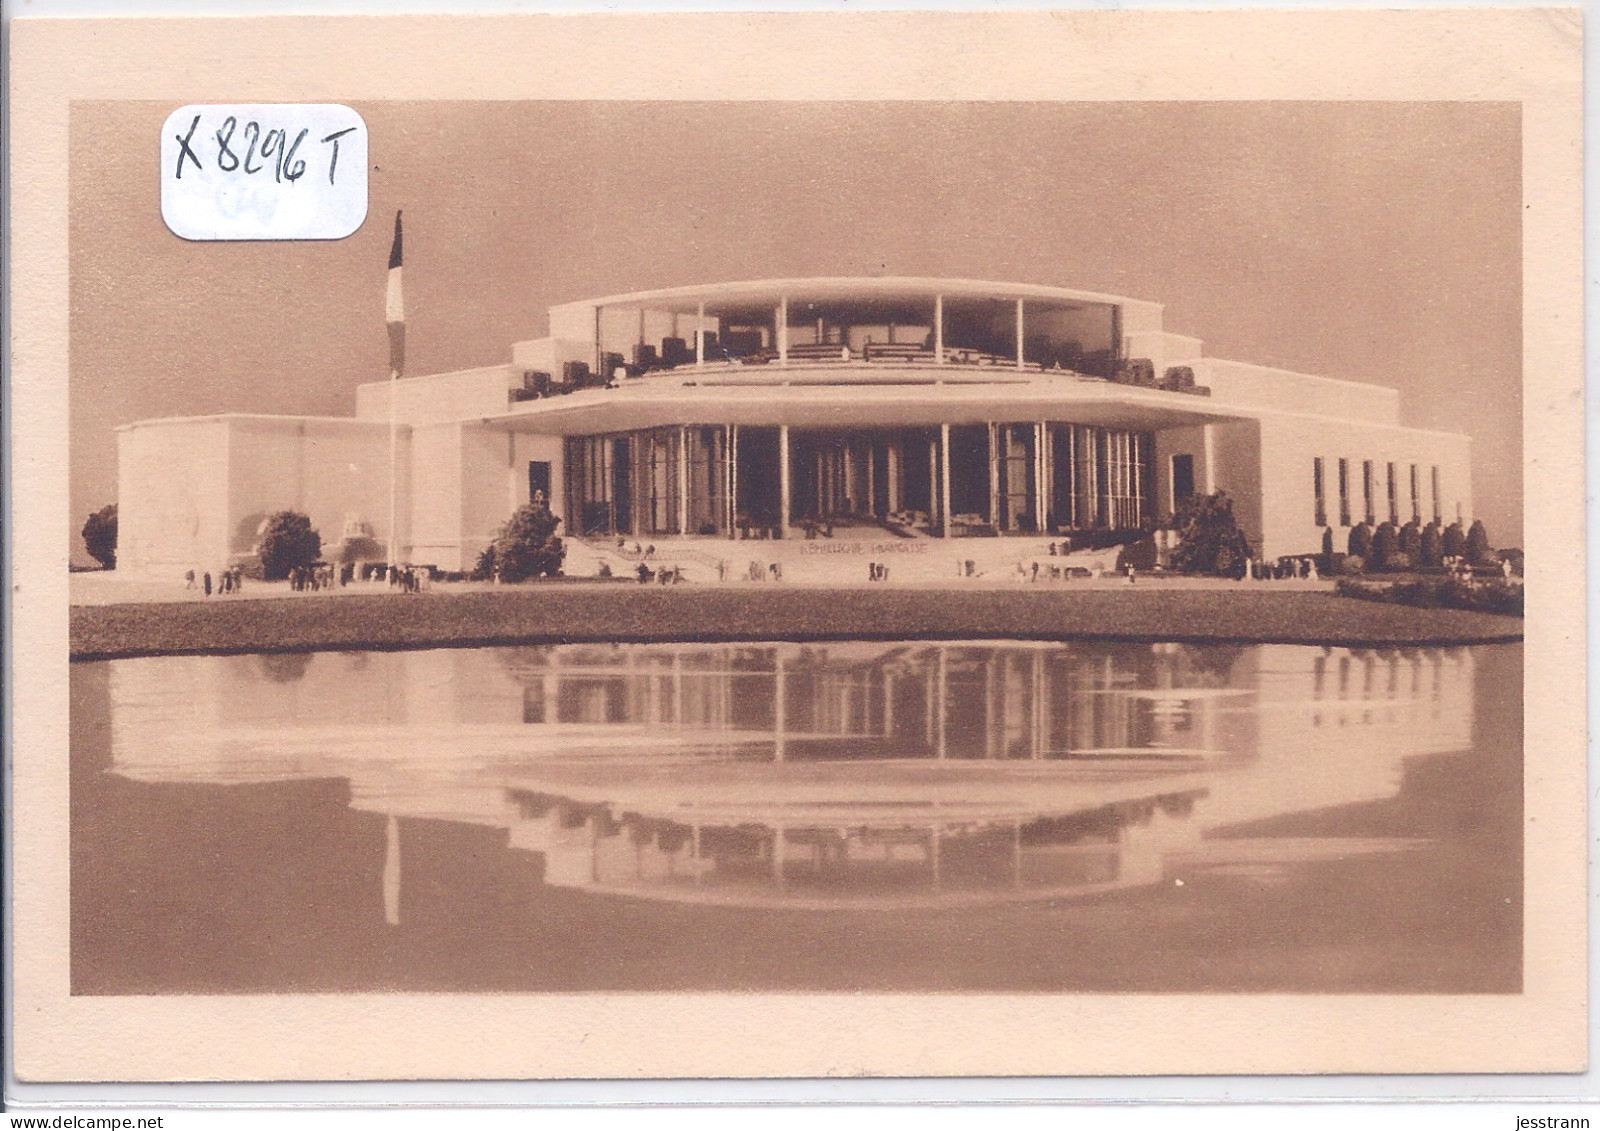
(854, 774)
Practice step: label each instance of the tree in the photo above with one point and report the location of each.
(1385, 545)
(1455, 540)
(286, 542)
(1432, 548)
(1360, 540)
(527, 545)
(1411, 539)
(100, 536)
(1209, 538)
(1478, 541)
(484, 568)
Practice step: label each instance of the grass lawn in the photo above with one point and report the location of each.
(553, 613)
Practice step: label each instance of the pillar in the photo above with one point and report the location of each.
(944, 479)
(732, 431)
(783, 344)
(513, 488)
(1208, 443)
(700, 337)
(1020, 362)
(683, 479)
(994, 475)
(784, 486)
(1072, 479)
(1041, 485)
(938, 329)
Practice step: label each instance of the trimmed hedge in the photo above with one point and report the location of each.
(1440, 593)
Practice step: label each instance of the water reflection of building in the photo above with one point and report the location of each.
(819, 774)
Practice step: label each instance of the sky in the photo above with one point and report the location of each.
(1373, 242)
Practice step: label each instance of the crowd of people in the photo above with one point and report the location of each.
(313, 578)
(1284, 569)
(227, 581)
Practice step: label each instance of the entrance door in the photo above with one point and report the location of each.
(539, 480)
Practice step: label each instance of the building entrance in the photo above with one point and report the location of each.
(873, 477)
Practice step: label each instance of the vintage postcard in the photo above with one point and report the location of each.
(798, 545)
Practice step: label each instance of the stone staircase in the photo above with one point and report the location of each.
(840, 560)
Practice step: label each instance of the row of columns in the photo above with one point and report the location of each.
(1043, 458)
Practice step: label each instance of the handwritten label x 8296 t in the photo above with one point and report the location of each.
(282, 171)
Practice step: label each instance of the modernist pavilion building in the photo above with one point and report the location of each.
(874, 407)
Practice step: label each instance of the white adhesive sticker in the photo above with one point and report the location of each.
(282, 171)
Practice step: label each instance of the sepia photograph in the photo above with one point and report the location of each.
(804, 549)
(860, 595)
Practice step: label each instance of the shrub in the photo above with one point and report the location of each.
(1137, 371)
(1478, 548)
(251, 568)
(360, 549)
(483, 569)
(1385, 545)
(1431, 547)
(527, 545)
(1141, 555)
(1209, 538)
(1455, 540)
(1327, 543)
(100, 536)
(1350, 564)
(1360, 540)
(1411, 539)
(1441, 593)
(287, 542)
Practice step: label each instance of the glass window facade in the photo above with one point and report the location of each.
(1011, 478)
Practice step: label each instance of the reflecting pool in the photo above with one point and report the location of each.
(966, 816)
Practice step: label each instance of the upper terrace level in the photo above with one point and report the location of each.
(851, 332)
(839, 321)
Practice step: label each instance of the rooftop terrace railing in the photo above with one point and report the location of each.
(827, 364)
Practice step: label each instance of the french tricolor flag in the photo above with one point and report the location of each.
(394, 309)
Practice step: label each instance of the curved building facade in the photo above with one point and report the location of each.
(797, 409)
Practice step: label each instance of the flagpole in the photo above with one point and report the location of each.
(394, 317)
(394, 428)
